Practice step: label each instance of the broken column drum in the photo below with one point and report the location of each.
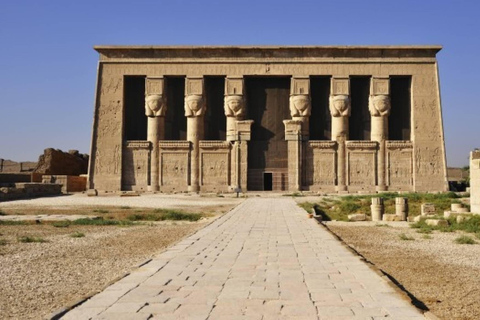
(401, 208)
(377, 209)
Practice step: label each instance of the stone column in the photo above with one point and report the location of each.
(401, 208)
(377, 209)
(293, 135)
(243, 131)
(379, 106)
(155, 109)
(194, 111)
(340, 111)
(234, 105)
(475, 181)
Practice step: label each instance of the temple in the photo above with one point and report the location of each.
(231, 118)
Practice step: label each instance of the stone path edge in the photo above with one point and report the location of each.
(56, 315)
(396, 285)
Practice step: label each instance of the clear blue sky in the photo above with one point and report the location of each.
(48, 66)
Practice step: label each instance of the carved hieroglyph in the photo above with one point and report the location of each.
(135, 177)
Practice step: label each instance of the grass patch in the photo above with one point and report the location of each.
(164, 214)
(3, 242)
(383, 225)
(28, 239)
(2, 213)
(403, 236)
(77, 235)
(125, 207)
(294, 194)
(100, 222)
(100, 211)
(12, 223)
(426, 236)
(464, 240)
(61, 224)
(471, 225)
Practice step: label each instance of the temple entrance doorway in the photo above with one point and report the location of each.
(268, 106)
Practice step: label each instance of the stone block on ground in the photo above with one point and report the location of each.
(463, 217)
(436, 222)
(357, 217)
(427, 209)
(391, 217)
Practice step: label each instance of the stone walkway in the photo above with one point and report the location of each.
(262, 260)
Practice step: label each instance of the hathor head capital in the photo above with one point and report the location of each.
(155, 105)
(194, 105)
(234, 105)
(340, 105)
(300, 105)
(379, 105)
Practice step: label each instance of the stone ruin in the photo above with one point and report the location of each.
(57, 162)
(475, 181)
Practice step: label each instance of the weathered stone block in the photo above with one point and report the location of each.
(357, 217)
(391, 217)
(436, 222)
(427, 209)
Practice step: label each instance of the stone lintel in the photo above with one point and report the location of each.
(270, 53)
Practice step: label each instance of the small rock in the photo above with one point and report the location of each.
(92, 192)
(436, 222)
(357, 217)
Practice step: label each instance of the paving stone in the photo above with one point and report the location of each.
(262, 260)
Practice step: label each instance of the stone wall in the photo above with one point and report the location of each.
(57, 162)
(29, 190)
(69, 183)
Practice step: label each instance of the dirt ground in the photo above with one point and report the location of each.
(438, 272)
(39, 278)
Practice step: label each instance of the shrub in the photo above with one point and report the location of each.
(12, 223)
(77, 235)
(3, 242)
(2, 213)
(464, 240)
(162, 214)
(100, 222)
(101, 211)
(28, 239)
(403, 236)
(61, 224)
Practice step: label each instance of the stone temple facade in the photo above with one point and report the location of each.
(220, 119)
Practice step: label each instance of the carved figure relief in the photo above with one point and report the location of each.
(155, 106)
(174, 168)
(400, 168)
(379, 105)
(339, 106)
(214, 168)
(300, 105)
(234, 106)
(361, 169)
(194, 106)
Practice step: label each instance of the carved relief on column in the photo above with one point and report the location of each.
(194, 111)
(234, 105)
(340, 107)
(293, 134)
(379, 107)
(300, 103)
(155, 110)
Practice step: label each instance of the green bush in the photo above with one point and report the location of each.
(100, 211)
(77, 234)
(28, 239)
(464, 240)
(61, 224)
(163, 214)
(403, 236)
(100, 222)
